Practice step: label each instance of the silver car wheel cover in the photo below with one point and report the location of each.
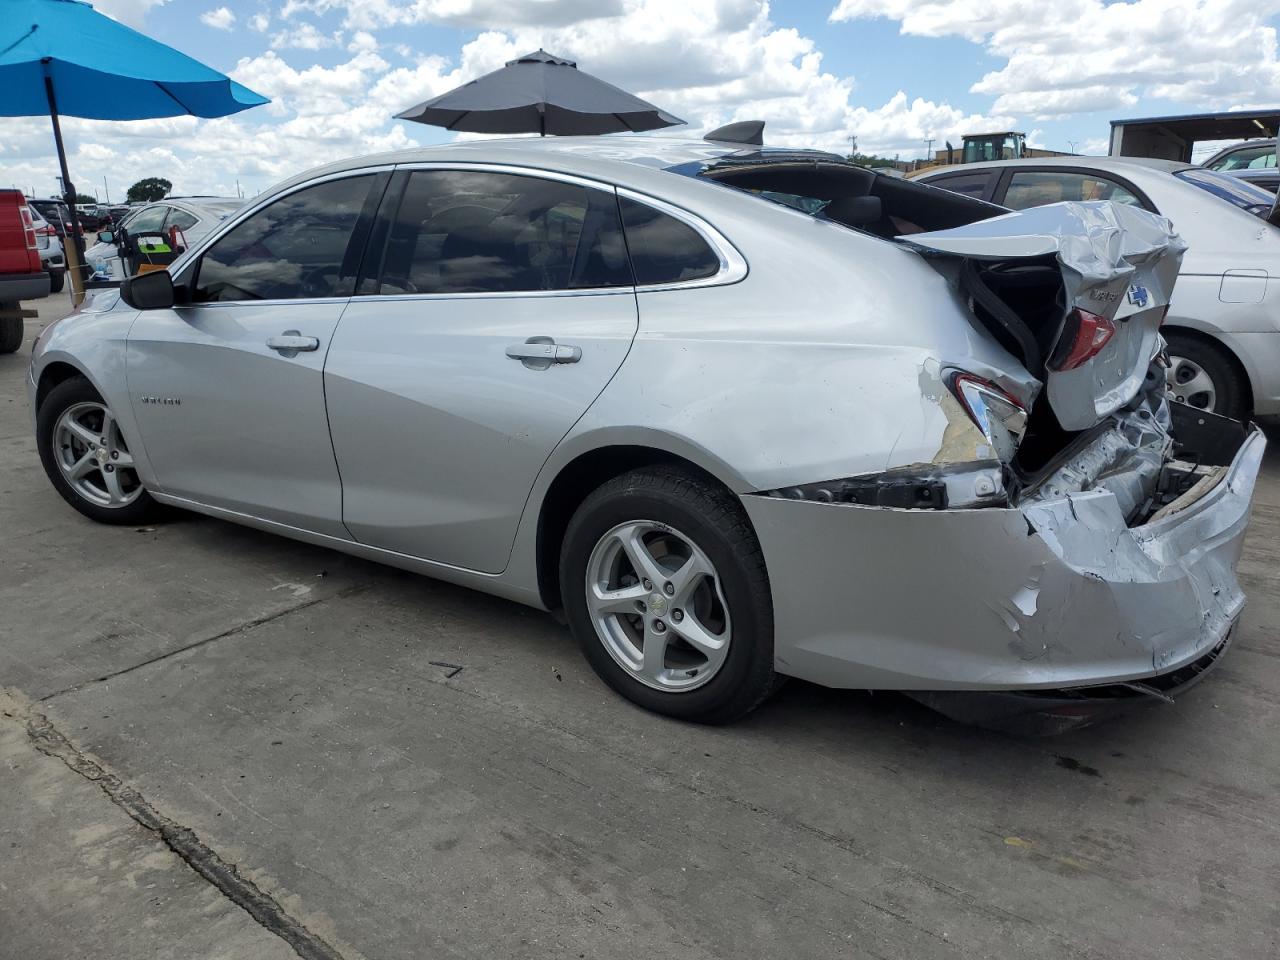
(93, 457)
(1188, 381)
(673, 634)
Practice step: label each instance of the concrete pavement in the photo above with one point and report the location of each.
(386, 766)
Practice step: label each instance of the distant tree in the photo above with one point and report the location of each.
(870, 160)
(149, 190)
(85, 198)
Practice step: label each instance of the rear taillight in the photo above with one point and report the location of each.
(1083, 336)
(28, 227)
(1001, 418)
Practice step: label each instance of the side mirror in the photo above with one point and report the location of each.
(148, 291)
(106, 236)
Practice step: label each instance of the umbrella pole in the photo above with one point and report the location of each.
(75, 249)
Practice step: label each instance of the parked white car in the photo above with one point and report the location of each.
(1223, 326)
(52, 257)
(196, 217)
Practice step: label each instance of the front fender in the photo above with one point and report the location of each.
(93, 342)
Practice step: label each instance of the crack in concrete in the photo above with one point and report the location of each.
(183, 841)
(233, 631)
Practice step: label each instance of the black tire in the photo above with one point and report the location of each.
(63, 396)
(1232, 392)
(56, 280)
(11, 331)
(713, 519)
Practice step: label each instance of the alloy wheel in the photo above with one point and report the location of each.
(1189, 383)
(656, 602)
(93, 457)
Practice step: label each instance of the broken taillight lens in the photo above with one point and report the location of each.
(1001, 418)
(1083, 336)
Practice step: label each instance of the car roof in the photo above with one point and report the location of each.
(634, 161)
(1245, 144)
(196, 204)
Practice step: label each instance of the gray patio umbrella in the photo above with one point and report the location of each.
(539, 93)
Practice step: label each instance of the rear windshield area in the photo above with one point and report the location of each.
(832, 188)
(1237, 192)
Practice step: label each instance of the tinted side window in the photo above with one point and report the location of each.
(460, 231)
(1251, 158)
(1241, 193)
(970, 184)
(181, 219)
(296, 248)
(663, 249)
(1031, 189)
(148, 220)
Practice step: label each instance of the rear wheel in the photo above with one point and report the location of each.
(1202, 375)
(56, 279)
(665, 588)
(10, 330)
(87, 458)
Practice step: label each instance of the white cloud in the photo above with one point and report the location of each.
(220, 18)
(362, 42)
(708, 61)
(372, 14)
(305, 36)
(1074, 56)
(260, 22)
(132, 12)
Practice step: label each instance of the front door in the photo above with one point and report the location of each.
(501, 308)
(228, 389)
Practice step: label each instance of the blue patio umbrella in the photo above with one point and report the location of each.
(63, 57)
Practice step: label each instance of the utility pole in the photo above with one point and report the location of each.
(928, 148)
(853, 144)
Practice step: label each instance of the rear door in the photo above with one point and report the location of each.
(499, 306)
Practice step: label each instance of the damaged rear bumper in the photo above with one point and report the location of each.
(1054, 595)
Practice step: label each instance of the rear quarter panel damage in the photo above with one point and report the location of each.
(1057, 594)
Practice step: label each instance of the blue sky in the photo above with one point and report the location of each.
(891, 71)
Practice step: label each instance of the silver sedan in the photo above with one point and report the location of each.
(740, 414)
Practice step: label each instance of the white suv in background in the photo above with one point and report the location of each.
(52, 257)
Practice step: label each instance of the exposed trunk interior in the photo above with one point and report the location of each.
(854, 196)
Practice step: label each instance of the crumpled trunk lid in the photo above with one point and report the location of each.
(1114, 261)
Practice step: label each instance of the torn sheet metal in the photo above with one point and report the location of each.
(1058, 593)
(1117, 262)
(1125, 461)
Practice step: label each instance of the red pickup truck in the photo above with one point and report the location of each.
(21, 275)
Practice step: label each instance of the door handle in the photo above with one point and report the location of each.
(291, 343)
(540, 352)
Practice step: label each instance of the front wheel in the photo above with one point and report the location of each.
(86, 457)
(1201, 375)
(665, 588)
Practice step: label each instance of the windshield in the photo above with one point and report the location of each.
(1238, 193)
